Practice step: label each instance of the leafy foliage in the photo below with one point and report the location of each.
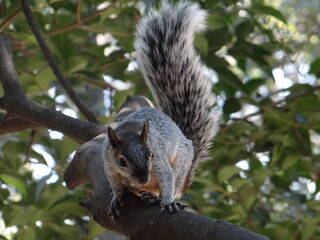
(264, 169)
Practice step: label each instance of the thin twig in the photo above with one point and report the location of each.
(120, 34)
(261, 111)
(78, 11)
(53, 64)
(95, 30)
(111, 102)
(112, 63)
(41, 91)
(29, 147)
(100, 83)
(10, 125)
(9, 19)
(77, 23)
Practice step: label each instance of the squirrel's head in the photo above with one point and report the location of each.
(132, 156)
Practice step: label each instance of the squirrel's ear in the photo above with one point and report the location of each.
(144, 132)
(114, 138)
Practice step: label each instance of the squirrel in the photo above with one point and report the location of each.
(153, 153)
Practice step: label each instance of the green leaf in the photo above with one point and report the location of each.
(53, 194)
(216, 62)
(116, 67)
(22, 215)
(110, 11)
(4, 193)
(76, 64)
(244, 29)
(217, 38)
(315, 67)
(254, 83)
(227, 172)
(289, 162)
(309, 229)
(24, 36)
(249, 198)
(238, 212)
(239, 183)
(269, 11)
(67, 208)
(231, 79)
(216, 21)
(95, 230)
(314, 205)
(11, 149)
(14, 181)
(89, 74)
(201, 43)
(13, 7)
(231, 105)
(63, 231)
(208, 183)
(44, 78)
(64, 148)
(259, 177)
(26, 234)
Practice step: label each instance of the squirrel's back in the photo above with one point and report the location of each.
(175, 74)
(161, 123)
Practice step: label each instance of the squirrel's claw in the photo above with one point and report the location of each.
(181, 205)
(114, 208)
(149, 197)
(172, 207)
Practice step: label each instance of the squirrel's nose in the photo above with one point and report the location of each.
(143, 180)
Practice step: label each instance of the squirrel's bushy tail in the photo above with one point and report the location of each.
(175, 74)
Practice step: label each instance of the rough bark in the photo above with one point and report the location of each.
(138, 220)
(17, 104)
(9, 125)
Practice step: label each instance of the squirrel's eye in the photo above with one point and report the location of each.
(122, 162)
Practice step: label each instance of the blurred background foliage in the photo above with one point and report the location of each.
(263, 57)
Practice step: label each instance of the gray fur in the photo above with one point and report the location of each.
(165, 139)
(175, 74)
(182, 135)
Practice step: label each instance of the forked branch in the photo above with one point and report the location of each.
(138, 220)
(36, 115)
(53, 64)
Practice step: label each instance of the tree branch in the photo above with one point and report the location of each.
(17, 104)
(77, 23)
(112, 63)
(97, 82)
(261, 110)
(9, 20)
(138, 220)
(53, 64)
(96, 30)
(9, 125)
(78, 11)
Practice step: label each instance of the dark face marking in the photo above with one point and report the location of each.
(133, 157)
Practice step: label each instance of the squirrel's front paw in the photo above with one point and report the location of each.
(172, 206)
(114, 208)
(149, 197)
